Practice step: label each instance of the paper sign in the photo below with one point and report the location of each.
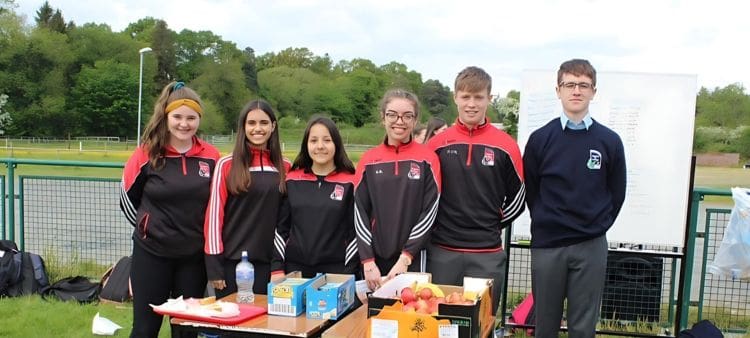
(383, 328)
(448, 331)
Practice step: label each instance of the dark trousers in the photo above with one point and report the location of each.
(575, 273)
(450, 267)
(155, 279)
(260, 285)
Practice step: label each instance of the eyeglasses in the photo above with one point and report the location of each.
(572, 85)
(393, 117)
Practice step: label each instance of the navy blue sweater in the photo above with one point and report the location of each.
(575, 183)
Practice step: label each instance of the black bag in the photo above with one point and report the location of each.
(116, 282)
(77, 288)
(702, 329)
(10, 270)
(33, 275)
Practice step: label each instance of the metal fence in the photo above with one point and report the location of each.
(78, 219)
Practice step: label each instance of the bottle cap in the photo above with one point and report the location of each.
(244, 253)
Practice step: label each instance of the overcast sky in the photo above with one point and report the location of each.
(438, 38)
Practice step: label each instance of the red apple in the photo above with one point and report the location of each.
(407, 295)
(425, 293)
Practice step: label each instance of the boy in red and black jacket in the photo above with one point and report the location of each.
(483, 190)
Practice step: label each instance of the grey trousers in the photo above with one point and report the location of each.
(450, 267)
(575, 272)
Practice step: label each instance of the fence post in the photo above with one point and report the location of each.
(11, 201)
(689, 256)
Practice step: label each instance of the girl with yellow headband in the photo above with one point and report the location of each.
(165, 191)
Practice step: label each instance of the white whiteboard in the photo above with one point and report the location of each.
(654, 115)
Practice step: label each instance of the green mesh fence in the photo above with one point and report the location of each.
(723, 300)
(639, 284)
(73, 218)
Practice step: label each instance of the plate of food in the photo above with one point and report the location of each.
(208, 310)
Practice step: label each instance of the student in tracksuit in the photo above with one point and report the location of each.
(165, 189)
(576, 178)
(315, 229)
(483, 190)
(396, 194)
(246, 193)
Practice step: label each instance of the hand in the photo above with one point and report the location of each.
(218, 284)
(372, 275)
(276, 278)
(398, 268)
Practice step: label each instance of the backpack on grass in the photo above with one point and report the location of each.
(524, 313)
(24, 273)
(116, 282)
(78, 288)
(10, 272)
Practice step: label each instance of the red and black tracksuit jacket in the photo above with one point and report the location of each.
(316, 222)
(396, 196)
(167, 206)
(244, 222)
(484, 188)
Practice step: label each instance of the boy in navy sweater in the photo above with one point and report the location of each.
(575, 186)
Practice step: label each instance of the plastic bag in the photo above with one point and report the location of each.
(733, 257)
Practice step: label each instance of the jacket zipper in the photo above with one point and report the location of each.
(184, 165)
(395, 164)
(471, 144)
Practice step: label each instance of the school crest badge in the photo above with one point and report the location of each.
(489, 158)
(414, 172)
(338, 193)
(204, 170)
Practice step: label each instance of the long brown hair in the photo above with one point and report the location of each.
(156, 133)
(340, 159)
(239, 179)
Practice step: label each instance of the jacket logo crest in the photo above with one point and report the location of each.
(338, 193)
(414, 172)
(595, 160)
(204, 170)
(489, 158)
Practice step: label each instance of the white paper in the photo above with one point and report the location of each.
(383, 328)
(448, 331)
(103, 326)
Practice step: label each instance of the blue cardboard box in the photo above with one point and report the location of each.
(287, 297)
(330, 295)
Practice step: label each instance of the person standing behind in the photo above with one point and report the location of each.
(435, 126)
(483, 190)
(575, 176)
(246, 193)
(165, 189)
(396, 194)
(315, 229)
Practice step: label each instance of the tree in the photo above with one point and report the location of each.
(250, 70)
(436, 99)
(726, 107)
(507, 110)
(103, 99)
(164, 48)
(224, 85)
(5, 119)
(7, 6)
(52, 19)
(141, 30)
(399, 76)
(363, 91)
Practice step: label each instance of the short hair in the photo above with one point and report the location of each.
(340, 159)
(399, 94)
(577, 67)
(473, 79)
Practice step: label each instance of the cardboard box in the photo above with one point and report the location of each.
(329, 296)
(287, 297)
(392, 321)
(468, 318)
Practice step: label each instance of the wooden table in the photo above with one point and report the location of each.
(355, 325)
(261, 326)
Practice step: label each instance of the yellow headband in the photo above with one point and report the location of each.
(184, 102)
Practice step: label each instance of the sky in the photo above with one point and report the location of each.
(438, 38)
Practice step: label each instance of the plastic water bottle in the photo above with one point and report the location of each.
(245, 278)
